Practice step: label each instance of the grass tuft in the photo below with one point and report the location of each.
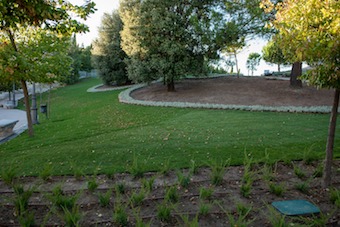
(104, 198)
(276, 188)
(171, 195)
(164, 212)
(206, 193)
(218, 170)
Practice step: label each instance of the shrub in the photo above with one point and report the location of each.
(335, 197)
(183, 180)
(299, 172)
(217, 171)
(136, 199)
(204, 209)
(21, 199)
(171, 195)
(276, 189)
(8, 175)
(120, 188)
(120, 216)
(92, 184)
(206, 193)
(136, 169)
(302, 187)
(164, 212)
(71, 216)
(104, 198)
(148, 184)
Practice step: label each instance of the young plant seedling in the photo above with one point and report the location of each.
(104, 198)
(335, 197)
(46, 173)
(136, 199)
(217, 171)
(164, 212)
(8, 175)
(120, 188)
(206, 193)
(183, 179)
(171, 195)
(136, 168)
(120, 217)
(204, 209)
(299, 172)
(148, 184)
(276, 189)
(92, 184)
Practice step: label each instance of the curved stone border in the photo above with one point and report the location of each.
(125, 97)
(95, 88)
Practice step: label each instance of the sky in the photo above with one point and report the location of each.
(107, 6)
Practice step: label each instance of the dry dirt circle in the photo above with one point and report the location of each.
(237, 91)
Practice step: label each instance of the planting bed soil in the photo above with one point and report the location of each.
(190, 196)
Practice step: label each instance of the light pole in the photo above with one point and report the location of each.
(13, 93)
(34, 108)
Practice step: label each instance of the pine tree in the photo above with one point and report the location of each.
(108, 55)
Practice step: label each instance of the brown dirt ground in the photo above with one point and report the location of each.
(238, 91)
(225, 198)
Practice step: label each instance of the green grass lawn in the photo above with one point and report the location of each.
(96, 133)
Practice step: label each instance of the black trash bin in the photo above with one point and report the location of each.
(43, 108)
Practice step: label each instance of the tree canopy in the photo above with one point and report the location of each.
(32, 40)
(41, 56)
(107, 52)
(171, 40)
(273, 54)
(310, 31)
(253, 61)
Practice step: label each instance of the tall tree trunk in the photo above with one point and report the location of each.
(296, 72)
(279, 67)
(171, 85)
(28, 109)
(327, 172)
(24, 88)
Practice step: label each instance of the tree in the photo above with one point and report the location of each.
(244, 19)
(272, 53)
(253, 61)
(31, 35)
(233, 49)
(74, 53)
(108, 54)
(230, 64)
(248, 17)
(312, 27)
(86, 58)
(8, 86)
(173, 39)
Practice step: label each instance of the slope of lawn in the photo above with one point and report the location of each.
(96, 133)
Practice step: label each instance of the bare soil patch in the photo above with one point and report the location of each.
(237, 91)
(226, 199)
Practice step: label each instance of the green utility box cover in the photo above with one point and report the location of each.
(296, 207)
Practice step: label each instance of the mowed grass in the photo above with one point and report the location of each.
(97, 134)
